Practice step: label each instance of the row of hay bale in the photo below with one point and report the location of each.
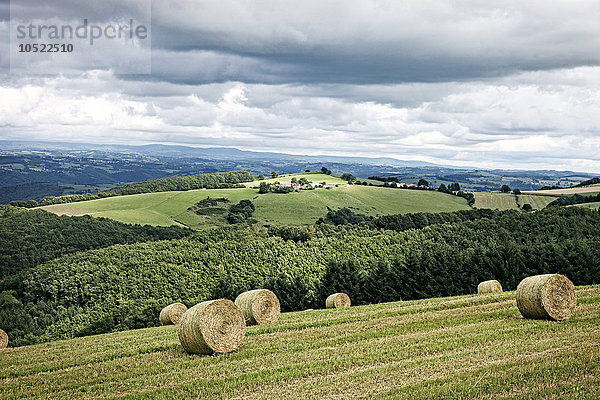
(219, 326)
(548, 296)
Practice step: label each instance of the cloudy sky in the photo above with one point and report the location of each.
(503, 84)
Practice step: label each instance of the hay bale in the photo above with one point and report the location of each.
(492, 286)
(3, 339)
(337, 300)
(259, 306)
(550, 296)
(171, 314)
(214, 326)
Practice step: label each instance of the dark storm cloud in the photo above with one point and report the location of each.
(350, 41)
(378, 42)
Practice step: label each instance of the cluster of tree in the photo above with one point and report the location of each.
(470, 197)
(575, 199)
(348, 178)
(275, 187)
(293, 233)
(384, 179)
(301, 181)
(325, 171)
(240, 212)
(121, 287)
(343, 216)
(220, 180)
(29, 238)
(454, 189)
(450, 189)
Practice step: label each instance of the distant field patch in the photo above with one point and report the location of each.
(509, 201)
(586, 189)
(495, 201)
(537, 202)
(593, 206)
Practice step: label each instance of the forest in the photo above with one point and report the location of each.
(123, 286)
(31, 237)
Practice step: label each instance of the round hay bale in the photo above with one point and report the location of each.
(549, 296)
(259, 306)
(337, 300)
(214, 326)
(492, 286)
(171, 314)
(3, 339)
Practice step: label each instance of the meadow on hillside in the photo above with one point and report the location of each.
(296, 208)
(470, 347)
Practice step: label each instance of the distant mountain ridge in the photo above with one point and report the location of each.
(35, 169)
(222, 153)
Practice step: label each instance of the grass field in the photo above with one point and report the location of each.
(508, 201)
(593, 206)
(569, 191)
(304, 207)
(469, 347)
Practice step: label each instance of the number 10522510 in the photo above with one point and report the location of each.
(45, 48)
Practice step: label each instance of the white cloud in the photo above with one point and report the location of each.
(509, 84)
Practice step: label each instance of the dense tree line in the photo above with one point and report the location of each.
(575, 199)
(387, 258)
(220, 180)
(31, 237)
(343, 216)
(593, 181)
(402, 222)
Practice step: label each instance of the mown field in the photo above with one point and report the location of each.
(298, 208)
(509, 201)
(467, 347)
(592, 189)
(593, 206)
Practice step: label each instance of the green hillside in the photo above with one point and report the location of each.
(462, 347)
(297, 208)
(389, 258)
(509, 201)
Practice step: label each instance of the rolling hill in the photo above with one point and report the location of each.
(298, 208)
(466, 347)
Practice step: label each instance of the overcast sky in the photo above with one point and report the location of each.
(503, 84)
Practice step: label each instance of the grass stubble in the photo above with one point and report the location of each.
(457, 347)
